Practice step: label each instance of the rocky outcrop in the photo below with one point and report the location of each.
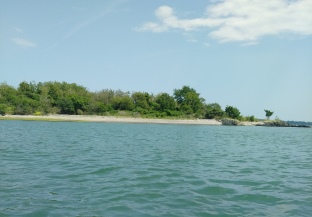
(279, 123)
(230, 122)
(276, 123)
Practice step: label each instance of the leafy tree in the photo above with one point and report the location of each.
(123, 103)
(44, 100)
(2, 109)
(188, 100)
(179, 94)
(70, 98)
(55, 92)
(29, 90)
(141, 100)
(8, 94)
(232, 112)
(213, 110)
(25, 105)
(119, 93)
(268, 113)
(101, 108)
(105, 96)
(165, 102)
(67, 106)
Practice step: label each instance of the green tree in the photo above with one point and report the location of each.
(141, 100)
(179, 94)
(2, 109)
(104, 96)
(29, 90)
(123, 103)
(165, 102)
(25, 105)
(188, 100)
(100, 108)
(213, 110)
(268, 113)
(232, 112)
(67, 106)
(8, 94)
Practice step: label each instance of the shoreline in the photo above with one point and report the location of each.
(119, 119)
(109, 119)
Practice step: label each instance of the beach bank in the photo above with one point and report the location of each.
(109, 119)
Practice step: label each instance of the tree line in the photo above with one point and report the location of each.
(31, 98)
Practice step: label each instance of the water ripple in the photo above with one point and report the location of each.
(101, 169)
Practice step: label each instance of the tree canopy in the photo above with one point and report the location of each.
(70, 98)
(232, 112)
(188, 100)
(268, 113)
(214, 110)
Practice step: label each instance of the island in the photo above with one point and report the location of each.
(62, 101)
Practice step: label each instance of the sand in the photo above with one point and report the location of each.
(112, 119)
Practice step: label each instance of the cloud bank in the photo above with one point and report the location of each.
(241, 20)
(23, 42)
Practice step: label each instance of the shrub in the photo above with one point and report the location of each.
(2, 109)
(232, 112)
(38, 113)
(79, 112)
(250, 118)
(214, 111)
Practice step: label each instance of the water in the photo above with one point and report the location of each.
(110, 169)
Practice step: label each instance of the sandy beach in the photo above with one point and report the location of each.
(91, 118)
(113, 119)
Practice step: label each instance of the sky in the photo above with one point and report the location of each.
(250, 54)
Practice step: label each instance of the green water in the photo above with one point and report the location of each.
(107, 169)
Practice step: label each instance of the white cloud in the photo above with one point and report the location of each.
(23, 42)
(241, 20)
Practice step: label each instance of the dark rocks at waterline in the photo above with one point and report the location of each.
(304, 126)
(275, 123)
(278, 123)
(230, 122)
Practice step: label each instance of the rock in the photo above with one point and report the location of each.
(276, 123)
(230, 122)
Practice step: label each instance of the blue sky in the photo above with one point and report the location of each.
(253, 55)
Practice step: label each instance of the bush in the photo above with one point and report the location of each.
(214, 111)
(9, 110)
(2, 109)
(232, 112)
(79, 112)
(250, 118)
(37, 113)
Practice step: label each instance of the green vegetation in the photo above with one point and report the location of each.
(268, 113)
(232, 112)
(69, 98)
(214, 110)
